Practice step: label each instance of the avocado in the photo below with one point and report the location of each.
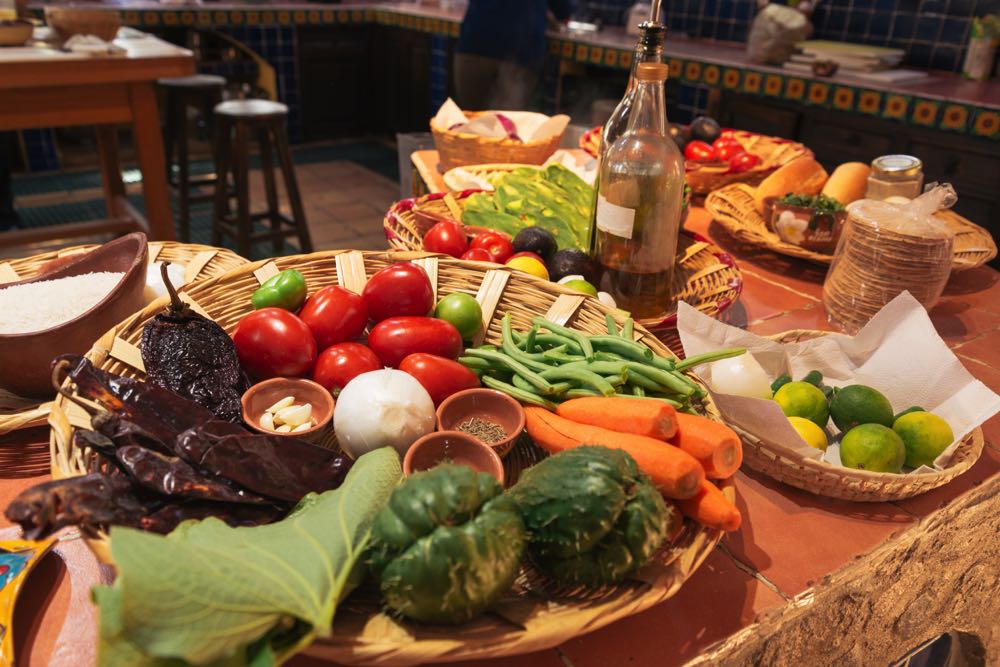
(680, 134)
(705, 129)
(571, 261)
(537, 240)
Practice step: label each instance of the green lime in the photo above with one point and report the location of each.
(857, 404)
(872, 447)
(912, 408)
(814, 436)
(801, 399)
(461, 310)
(581, 286)
(925, 435)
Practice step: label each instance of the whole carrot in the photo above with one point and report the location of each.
(716, 446)
(675, 473)
(711, 508)
(653, 419)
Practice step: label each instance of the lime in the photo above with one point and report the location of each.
(912, 408)
(581, 286)
(801, 399)
(925, 435)
(461, 310)
(872, 447)
(814, 436)
(529, 265)
(857, 404)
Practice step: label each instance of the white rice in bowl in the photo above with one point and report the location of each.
(47, 303)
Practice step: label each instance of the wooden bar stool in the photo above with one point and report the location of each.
(203, 92)
(237, 121)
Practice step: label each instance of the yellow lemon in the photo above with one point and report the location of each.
(925, 435)
(814, 436)
(801, 399)
(529, 265)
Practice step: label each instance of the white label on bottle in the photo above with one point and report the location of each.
(614, 219)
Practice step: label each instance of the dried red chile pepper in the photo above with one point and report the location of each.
(194, 357)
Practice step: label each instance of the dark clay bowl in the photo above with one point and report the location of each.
(485, 404)
(452, 447)
(263, 395)
(25, 358)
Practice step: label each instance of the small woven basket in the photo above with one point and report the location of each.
(536, 614)
(707, 277)
(202, 262)
(846, 483)
(69, 21)
(733, 208)
(458, 149)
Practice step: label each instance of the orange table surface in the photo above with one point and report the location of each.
(790, 539)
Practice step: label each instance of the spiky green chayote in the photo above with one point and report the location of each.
(447, 545)
(592, 516)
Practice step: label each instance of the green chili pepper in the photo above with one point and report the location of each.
(286, 290)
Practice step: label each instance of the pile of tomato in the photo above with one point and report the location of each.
(325, 340)
(724, 149)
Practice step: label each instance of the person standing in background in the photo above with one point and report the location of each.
(501, 50)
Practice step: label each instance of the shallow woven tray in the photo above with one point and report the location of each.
(707, 276)
(845, 483)
(733, 208)
(17, 412)
(484, 171)
(534, 615)
(461, 148)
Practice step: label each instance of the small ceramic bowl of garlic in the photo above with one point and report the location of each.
(290, 407)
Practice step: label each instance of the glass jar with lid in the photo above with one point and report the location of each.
(895, 176)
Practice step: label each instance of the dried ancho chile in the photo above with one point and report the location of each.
(193, 356)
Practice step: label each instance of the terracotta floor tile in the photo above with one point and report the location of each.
(762, 299)
(987, 373)
(973, 287)
(719, 599)
(812, 317)
(786, 532)
(985, 348)
(987, 466)
(957, 322)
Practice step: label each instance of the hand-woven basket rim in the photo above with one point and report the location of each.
(710, 293)
(33, 413)
(732, 207)
(546, 623)
(505, 141)
(845, 483)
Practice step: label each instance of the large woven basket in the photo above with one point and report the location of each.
(457, 149)
(202, 261)
(733, 208)
(845, 483)
(707, 277)
(535, 615)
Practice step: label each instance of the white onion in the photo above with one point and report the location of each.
(741, 376)
(607, 299)
(154, 281)
(385, 408)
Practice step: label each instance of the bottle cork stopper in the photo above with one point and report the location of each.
(651, 72)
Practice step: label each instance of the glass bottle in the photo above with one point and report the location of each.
(638, 212)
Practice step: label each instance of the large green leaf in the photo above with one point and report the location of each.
(206, 592)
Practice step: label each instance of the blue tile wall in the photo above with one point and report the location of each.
(934, 33)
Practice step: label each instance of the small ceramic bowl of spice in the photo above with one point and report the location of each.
(289, 407)
(452, 447)
(486, 414)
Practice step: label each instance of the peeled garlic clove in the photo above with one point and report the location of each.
(267, 421)
(284, 428)
(295, 415)
(302, 427)
(283, 403)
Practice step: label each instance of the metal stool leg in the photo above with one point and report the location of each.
(267, 168)
(291, 185)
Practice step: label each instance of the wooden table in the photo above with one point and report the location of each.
(42, 86)
(807, 580)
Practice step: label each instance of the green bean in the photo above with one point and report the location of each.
(580, 376)
(583, 341)
(636, 379)
(617, 380)
(622, 347)
(662, 363)
(491, 348)
(612, 326)
(536, 380)
(558, 388)
(559, 356)
(581, 392)
(663, 378)
(555, 340)
(676, 404)
(519, 394)
(606, 356)
(638, 391)
(695, 387)
(707, 357)
(533, 361)
(627, 330)
(529, 342)
(475, 363)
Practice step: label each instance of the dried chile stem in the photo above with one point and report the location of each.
(177, 307)
(57, 382)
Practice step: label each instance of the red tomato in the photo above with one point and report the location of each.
(397, 337)
(272, 342)
(527, 254)
(399, 289)
(439, 376)
(726, 148)
(742, 162)
(334, 314)
(699, 151)
(446, 237)
(339, 364)
(477, 254)
(498, 245)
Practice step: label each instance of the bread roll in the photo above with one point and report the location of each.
(802, 175)
(848, 182)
